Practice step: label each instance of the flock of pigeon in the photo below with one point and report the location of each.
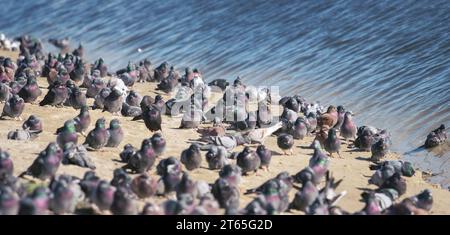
(71, 81)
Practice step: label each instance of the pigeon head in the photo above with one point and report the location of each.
(100, 123)
(69, 126)
(52, 148)
(340, 109)
(158, 98)
(194, 147)
(146, 144)
(408, 169)
(348, 115)
(425, 195)
(114, 124)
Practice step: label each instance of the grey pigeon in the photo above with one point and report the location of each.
(67, 134)
(33, 124)
(143, 159)
(37, 203)
(46, 164)
(98, 137)
(436, 137)
(144, 186)
(103, 195)
(21, 135)
(31, 91)
(231, 173)
(77, 155)
(127, 152)
(305, 197)
(123, 203)
(216, 157)
(13, 108)
(226, 194)
(248, 161)
(191, 157)
(332, 144)
(5, 92)
(99, 99)
(265, 155)
(130, 111)
(115, 134)
(56, 95)
(83, 120)
(133, 98)
(6, 165)
(300, 128)
(113, 102)
(158, 143)
(348, 127)
(66, 194)
(285, 142)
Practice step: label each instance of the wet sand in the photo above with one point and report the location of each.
(353, 169)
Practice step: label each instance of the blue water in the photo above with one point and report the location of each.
(387, 61)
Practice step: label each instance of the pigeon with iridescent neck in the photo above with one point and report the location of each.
(67, 134)
(115, 134)
(13, 108)
(46, 164)
(97, 138)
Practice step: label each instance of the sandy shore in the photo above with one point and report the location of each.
(354, 168)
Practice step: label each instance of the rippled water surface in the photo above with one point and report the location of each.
(387, 61)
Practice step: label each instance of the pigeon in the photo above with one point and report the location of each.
(98, 90)
(130, 111)
(226, 194)
(423, 200)
(77, 155)
(161, 72)
(216, 157)
(332, 144)
(103, 195)
(21, 135)
(292, 104)
(186, 186)
(379, 150)
(6, 165)
(121, 179)
(46, 164)
(248, 161)
(158, 143)
(144, 186)
(312, 121)
(9, 201)
(265, 155)
(101, 67)
(365, 137)
(162, 166)
(31, 91)
(395, 182)
(115, 134)
(285, 142)
(231, 173)
(98, 137)
(33, 124)
(77, 74)
(133, 98)
(142, 160)
(152, 118)
(170, 178)
(167, 85)
(348, 127)
(66, 193)
(127, 152)
(386, 169)
(89, 183)
(436, 137)
(191, 157)
(83, 120)
(113, 102)
(305, 197)
(329, 118)
(35, 204)
(67, 134)
(77, 99)
(300, 128)
(13, 108)
(123, 203)
(341, 116)
(5, 92)
(56, 95)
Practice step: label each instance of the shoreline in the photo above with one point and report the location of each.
(353, 169)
